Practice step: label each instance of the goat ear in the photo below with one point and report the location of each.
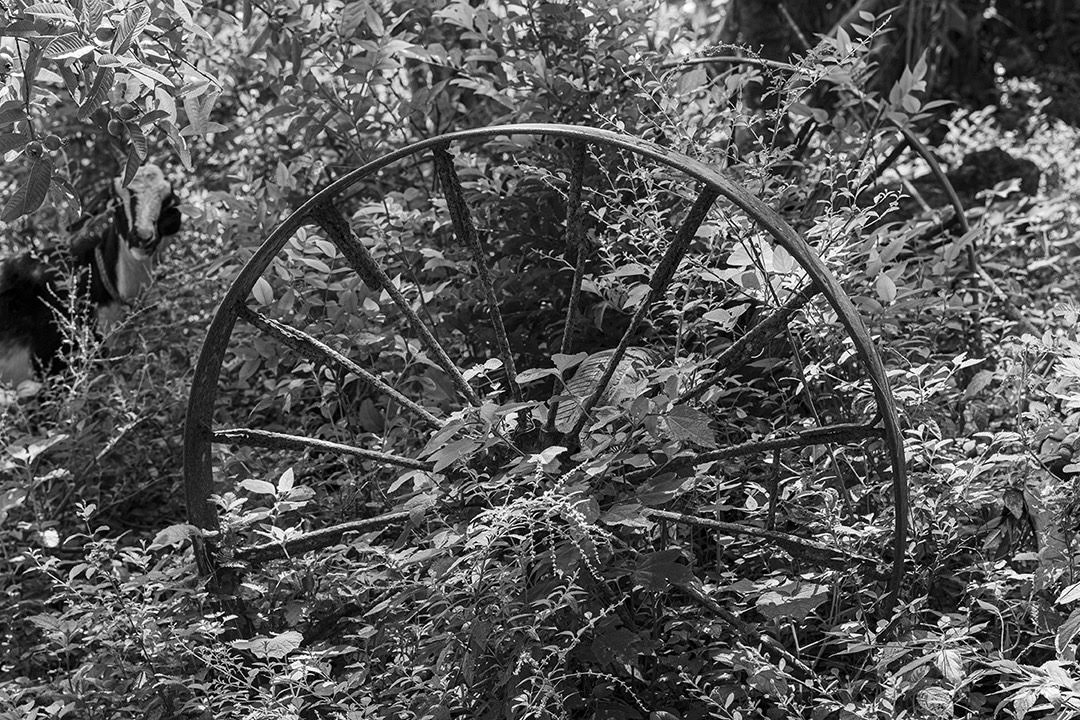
(169, 221)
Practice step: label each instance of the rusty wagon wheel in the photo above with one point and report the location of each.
(865, 417)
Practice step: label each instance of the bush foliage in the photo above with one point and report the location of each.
(516, 575)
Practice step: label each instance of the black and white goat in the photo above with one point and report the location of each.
(111, 268)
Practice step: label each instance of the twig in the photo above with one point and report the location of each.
(798, 547)
(315, 540)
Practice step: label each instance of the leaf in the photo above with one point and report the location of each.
(259, 487)
(273, 647)
(886, 288)
(1069, 595)
(1068, 631)
(793, 600)
(688, 424)
(950, 664)
(547, 455)
(12, 141)
(453, 452)
(286, 481)
(782, 261)
(262, 292)
(132, 165)
(11, 111)
(149, 77)
(659, 570)
(32, 192)
(174, 535)
(130, 27)
(582, 384)
(978, 383)
(138, 142)
(565, 362)
(103, 82)
(67, 46)
(51, 11)
(95, 11)
(532, 375)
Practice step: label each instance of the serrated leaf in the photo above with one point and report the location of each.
(51, 11)
(688, 424)
(98, 92)
(67, 46)
(32, 192)
(950, 663)
(130, 27)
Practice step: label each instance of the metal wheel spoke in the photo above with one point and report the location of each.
(466, 233)
(321, 353)
(665, 271)
(739, 352)
(281, 441)
(342, 235)
(576, 247)
(838, 433)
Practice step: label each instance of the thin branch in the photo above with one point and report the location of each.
(317, 539)
(467, 235)
(341, 234)
(799, 548)
(319, 352)
(665, 271)
(841, 432)
(740, 351)
(275, 440)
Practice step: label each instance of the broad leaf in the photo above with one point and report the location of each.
(31, 193)
(688, 424)
(12, 141)
(103, 82)
(51, 11)
(174, 535)
(68, 46)
(659, 570)
(277, 646)
(130, 28)
(793, 600)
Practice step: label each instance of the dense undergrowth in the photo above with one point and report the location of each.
(549, 583)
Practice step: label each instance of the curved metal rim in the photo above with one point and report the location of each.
(198, 473)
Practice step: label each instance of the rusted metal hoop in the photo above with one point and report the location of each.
(198, 471)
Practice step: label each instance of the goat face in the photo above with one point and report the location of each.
(147, 215)
(148, 210)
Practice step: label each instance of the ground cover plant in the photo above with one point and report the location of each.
(516, 572)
